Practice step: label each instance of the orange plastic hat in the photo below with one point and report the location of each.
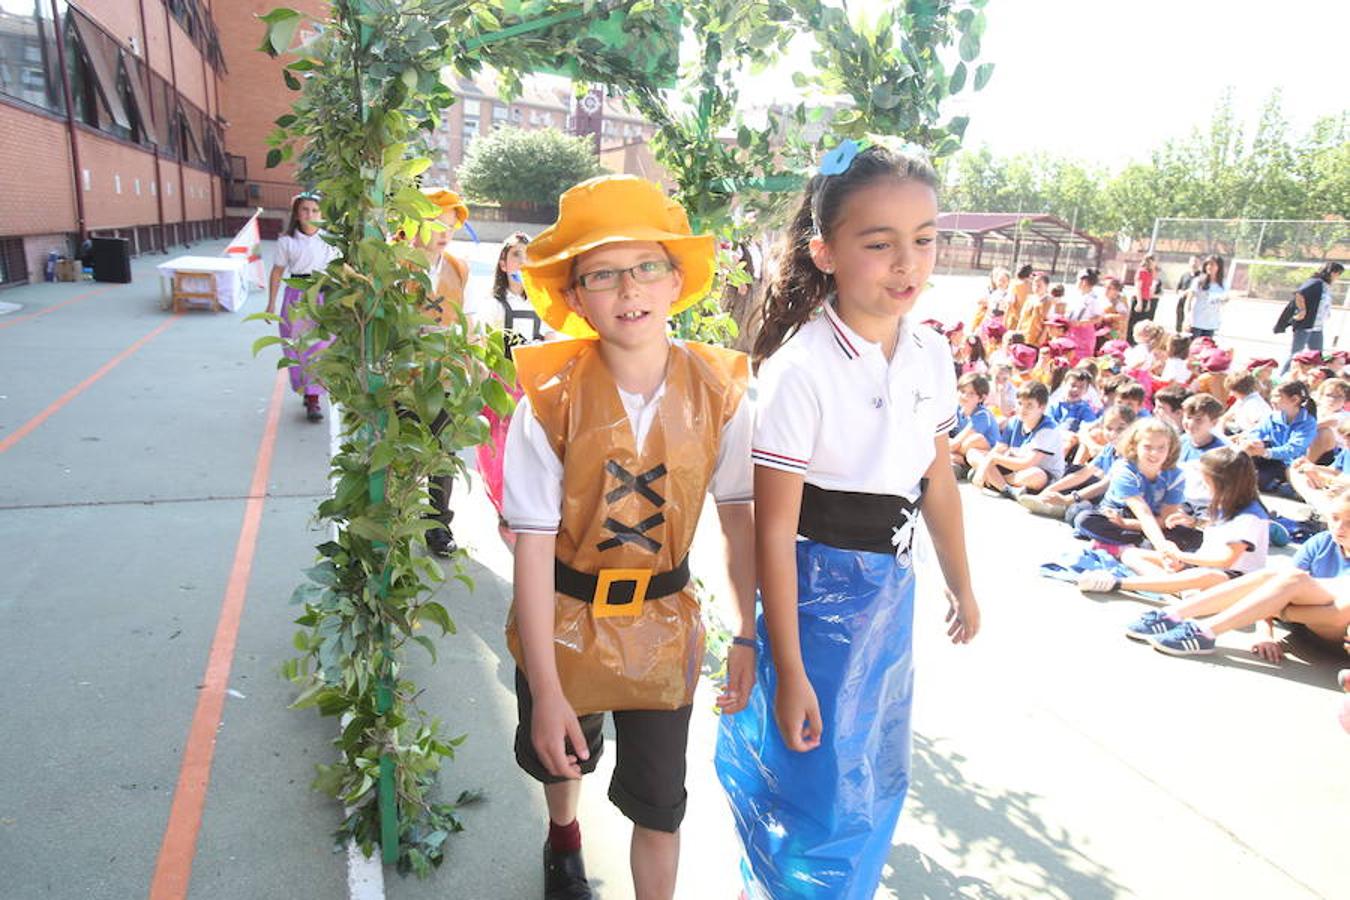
(607, 210)
(448, 201)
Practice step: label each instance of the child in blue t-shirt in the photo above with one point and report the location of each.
(1315, 593)
(1074, 410)
(1235, 540)
(1282, 437)
(1199, 420)
(1143, 499)
(1029, 454)
(1082, 485)
(975, 428)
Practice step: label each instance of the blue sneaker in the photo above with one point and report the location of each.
(1187, 638)
(1154, 623)
(1279, 535)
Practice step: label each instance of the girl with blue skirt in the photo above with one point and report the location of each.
(855, 402)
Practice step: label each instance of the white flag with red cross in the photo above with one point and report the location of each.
(248, 244)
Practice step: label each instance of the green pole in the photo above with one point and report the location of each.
(384, 692)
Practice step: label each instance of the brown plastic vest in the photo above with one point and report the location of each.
(625, 509)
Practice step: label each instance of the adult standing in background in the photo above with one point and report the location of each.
(1145, 302)
(1183, 287)
(1309, 311)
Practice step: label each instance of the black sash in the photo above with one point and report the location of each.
(851, 520)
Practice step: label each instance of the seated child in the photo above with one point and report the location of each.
(1248, 407)
(1283, 436)
(1235, 541)
(1075, 409)
(1085, 482)
(1213, 376)
(1143, 500)
(1320, 485)
(1332, 396)
(1029, 454)
(1148, 337)
(1199, 416)
(1177, 369)
(976, 428)
(1167, 404)
(1315, 594)
(1131, 393)
(1002, 393)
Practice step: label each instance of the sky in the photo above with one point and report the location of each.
(1106, 82)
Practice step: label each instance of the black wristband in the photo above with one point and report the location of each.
(745, 642)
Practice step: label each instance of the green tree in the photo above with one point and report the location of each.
(517, 166)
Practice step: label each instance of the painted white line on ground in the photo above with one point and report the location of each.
(365, 875)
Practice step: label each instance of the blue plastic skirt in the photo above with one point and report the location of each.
(819, 824)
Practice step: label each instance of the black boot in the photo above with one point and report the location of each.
(313, 411)
(565, 876)
(441, 542)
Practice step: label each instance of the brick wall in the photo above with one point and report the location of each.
(253, 95)
(36, 248)
(117, 190)
(35, 186)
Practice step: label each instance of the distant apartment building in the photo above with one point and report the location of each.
(545, 102)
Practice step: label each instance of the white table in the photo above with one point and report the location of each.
(229, 272)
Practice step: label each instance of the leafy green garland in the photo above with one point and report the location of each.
(371, 89)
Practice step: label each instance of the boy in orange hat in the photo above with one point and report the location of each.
(449, 275)
(621, 433)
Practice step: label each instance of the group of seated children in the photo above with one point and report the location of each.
(1173, 491)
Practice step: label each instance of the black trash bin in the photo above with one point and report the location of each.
(112, 259)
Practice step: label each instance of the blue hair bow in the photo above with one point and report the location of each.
(837, 161)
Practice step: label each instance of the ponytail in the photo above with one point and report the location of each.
(798, 289)
(1297, 390)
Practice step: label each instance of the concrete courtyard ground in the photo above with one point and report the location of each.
(1053, 758)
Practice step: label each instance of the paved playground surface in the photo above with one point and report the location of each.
(1053, 758)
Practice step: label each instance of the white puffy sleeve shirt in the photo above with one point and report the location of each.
(532, 474)
(833, 409)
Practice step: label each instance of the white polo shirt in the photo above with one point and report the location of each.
(532, 474)
(833, 409)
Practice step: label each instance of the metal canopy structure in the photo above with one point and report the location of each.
(1017, 237)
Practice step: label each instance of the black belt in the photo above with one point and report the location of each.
(619, 591)
(851, 520)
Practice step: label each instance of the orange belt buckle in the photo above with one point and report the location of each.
(605, 607)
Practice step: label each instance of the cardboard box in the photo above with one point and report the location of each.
(69, 270)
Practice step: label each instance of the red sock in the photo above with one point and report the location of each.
(564, 838)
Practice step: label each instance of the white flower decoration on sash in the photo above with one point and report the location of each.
(902, 538)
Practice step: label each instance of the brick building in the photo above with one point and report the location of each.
(147, 119)
(109, 125)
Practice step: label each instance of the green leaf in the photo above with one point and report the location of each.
(266, 340)
(273, 158)
(969, 47)
(497, 397)
(291, 81)
(427, 643)
(983, 74)
(436, 613)
(958, 79)
(281, 25)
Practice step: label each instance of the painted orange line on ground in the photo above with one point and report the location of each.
(78, 389)
(173, 869)
(51, 309)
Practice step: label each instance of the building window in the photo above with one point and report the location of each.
(498, 114)
(469, 134)
(29, 69)
(515, 115)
